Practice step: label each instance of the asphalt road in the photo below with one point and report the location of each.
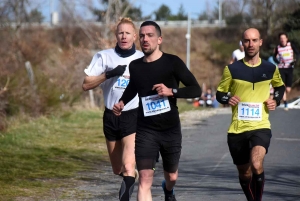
(206, 171)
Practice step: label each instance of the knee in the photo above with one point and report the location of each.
(145, 179)
(244, 172)
(173, 177)
(257, 167)
(129, 169)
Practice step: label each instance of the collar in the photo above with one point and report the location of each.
(125, 53)
(250, 65)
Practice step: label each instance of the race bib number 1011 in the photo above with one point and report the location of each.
(155, 104)
(250, 111)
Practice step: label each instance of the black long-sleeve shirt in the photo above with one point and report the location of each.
(169, 70)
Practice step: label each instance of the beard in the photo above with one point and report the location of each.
(251, 55)
(147, 52)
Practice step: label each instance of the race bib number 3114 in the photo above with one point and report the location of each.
(250, 111)
(155, 104)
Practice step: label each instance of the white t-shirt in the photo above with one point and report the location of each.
(114, 87)
(238, 54)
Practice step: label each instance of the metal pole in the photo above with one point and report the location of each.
(220, 13)
(188, 38)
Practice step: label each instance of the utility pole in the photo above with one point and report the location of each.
(188, 42)
(220, 13)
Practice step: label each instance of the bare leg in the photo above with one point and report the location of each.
(170, 179)
(114, 149)
(145, 183)
(128, 157)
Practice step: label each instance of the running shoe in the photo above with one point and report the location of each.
(168, 197)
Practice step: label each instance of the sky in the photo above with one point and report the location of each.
(194, 7)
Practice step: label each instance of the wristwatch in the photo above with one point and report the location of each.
(174, 91)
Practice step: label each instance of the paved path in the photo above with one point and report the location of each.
(206, 171)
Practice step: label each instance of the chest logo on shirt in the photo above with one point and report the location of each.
(264, 75)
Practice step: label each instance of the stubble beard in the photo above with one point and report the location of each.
(147, 52)
(251, 56)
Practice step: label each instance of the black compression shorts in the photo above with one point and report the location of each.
(286, 76)
(117, 127)
(241, 144)
(149, 142)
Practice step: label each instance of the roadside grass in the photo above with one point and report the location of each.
(183, 106)
(41, 154)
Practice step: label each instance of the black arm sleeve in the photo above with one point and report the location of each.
(130, 91)
(274, 56)
(296, 52)
(278, 94)
(192, 88)
(222, 97)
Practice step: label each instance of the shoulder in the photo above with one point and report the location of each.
(137, 61)
(267, 64)
(105, 53)
(236, 65)
(171, 57)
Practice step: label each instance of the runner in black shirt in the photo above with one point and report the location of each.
(155, 78)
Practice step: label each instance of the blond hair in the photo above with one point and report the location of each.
(126, 20)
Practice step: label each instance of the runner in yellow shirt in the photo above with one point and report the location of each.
(249, 134)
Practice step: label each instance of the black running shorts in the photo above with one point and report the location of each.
(149, 142)
(241, 144)
(117, 127)
(286, 76)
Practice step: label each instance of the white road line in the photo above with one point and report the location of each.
(216, 166)
(288, 139)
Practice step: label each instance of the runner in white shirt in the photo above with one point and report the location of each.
(109, 69)
(238, 54)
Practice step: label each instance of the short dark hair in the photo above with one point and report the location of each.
(282, 33)
(152, 23)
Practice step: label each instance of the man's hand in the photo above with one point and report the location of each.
(117, 71)
(162, 90)
(271, 104)
(234, 100)
(118, 107)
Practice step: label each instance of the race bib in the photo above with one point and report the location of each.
(250, 111)
(286, 54)
(155, 104)
(121, 83)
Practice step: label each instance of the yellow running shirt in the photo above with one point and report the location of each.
(252, 85)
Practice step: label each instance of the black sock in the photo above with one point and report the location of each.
(258, 185)
(246, 186)
(167, 192)
(126, 188)
(285, 103)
